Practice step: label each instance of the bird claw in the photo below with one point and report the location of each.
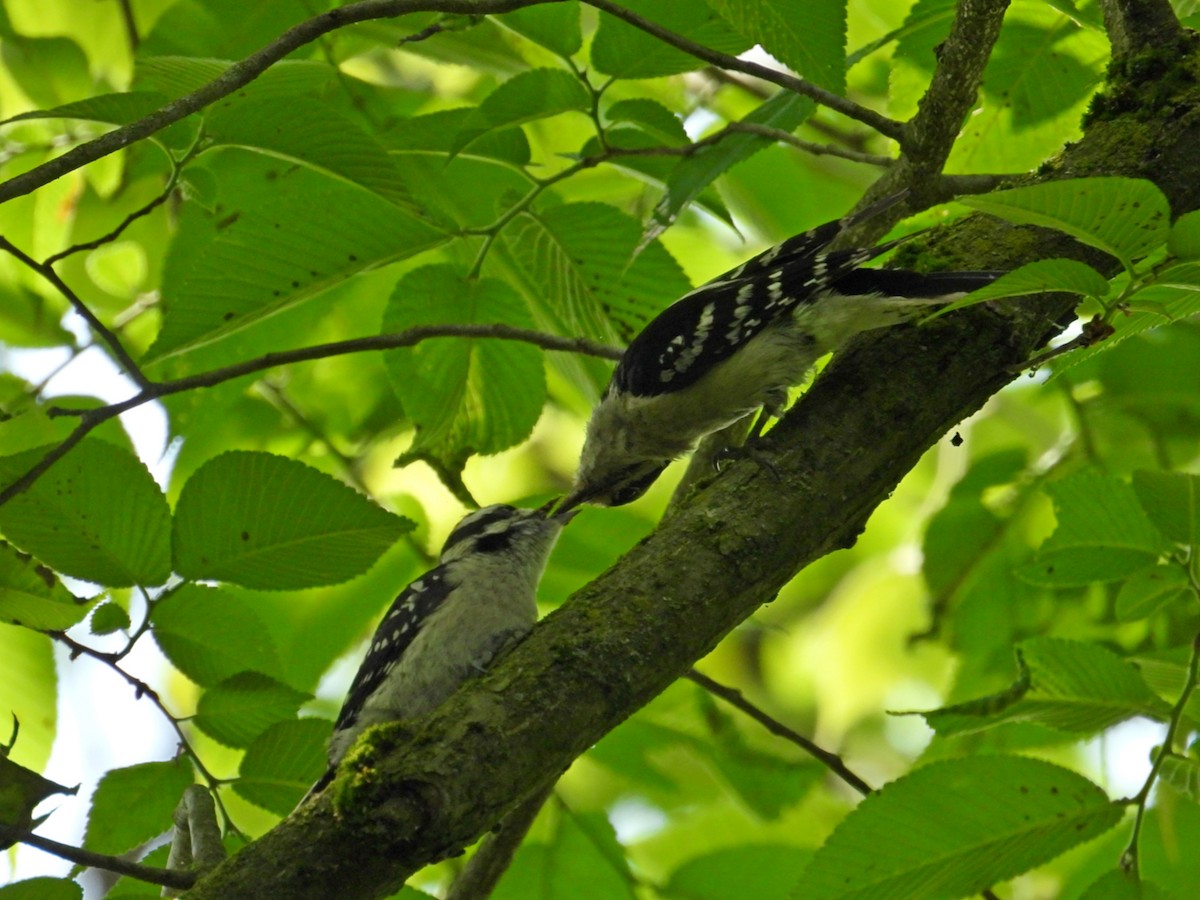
(747, 451)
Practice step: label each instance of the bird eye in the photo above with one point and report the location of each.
(491, 543)
(634, 482)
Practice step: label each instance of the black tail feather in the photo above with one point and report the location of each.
(905, 283)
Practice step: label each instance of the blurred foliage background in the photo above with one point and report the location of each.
(539, 169)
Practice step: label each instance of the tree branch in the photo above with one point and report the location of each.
(239, 74)
(125, 223)
(734, 698)
(92, 418)
(885, 126)
(1134, 26)
(930, 135)
(483, 870)
(79, 856)
(141, 689)
(114, 343)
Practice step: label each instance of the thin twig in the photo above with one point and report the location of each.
(92, 418)
(113, 342)
(885, 126)
(1129, 859)
(131, 29)
(141, 689)
(483, 870)
(238, 75)
(129, 220)
(79, 856)
(786, 137)
(734, 698)
(743, 127)
(280, 399)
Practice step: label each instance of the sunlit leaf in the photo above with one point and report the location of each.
(1068, 685)
(96, 514)
(1126, 217)
(265, 521)
(282, 764)
(134, 804)
(31, 594)
(1022, 812)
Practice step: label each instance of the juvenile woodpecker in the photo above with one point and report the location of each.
(736, 344)
(450, 623)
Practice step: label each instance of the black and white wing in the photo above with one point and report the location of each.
(408, 612)
(713, 322)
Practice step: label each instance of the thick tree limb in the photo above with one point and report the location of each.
(1134, 26)
(929, 136)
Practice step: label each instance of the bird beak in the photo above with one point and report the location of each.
(563, 512)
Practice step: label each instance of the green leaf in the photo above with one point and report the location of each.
(582, 860)
(209, 635)
(436, 132)
(532, 95)
(1172, 501)
(279, 235)
(109, 617)
(96, 514)
(32, 428)
(1183, 773)
(282, 764)
(555, 26)
(1184, 241)
(631, 749)
(1121, 885)
(624, 51)
(1166, 672)
(44, 888)
(1067, 685)
(1173, 295)
(111, 109)
(965, 824)
(581, 263)
(761, 871)
(1035, 74)
(1145, 593)
(464, 395)
(134, 805)
(1126, 217)
(809, 37)
(310, 132)
(1102, 534)
(767, 783)
(285, 80)
(1038, 277)
(785, 111)
(239, 709)
(650, 116)
(48, 69)
(31, 594)
(265, 521)
(21, 790)
(959, 535)
(28, 692)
